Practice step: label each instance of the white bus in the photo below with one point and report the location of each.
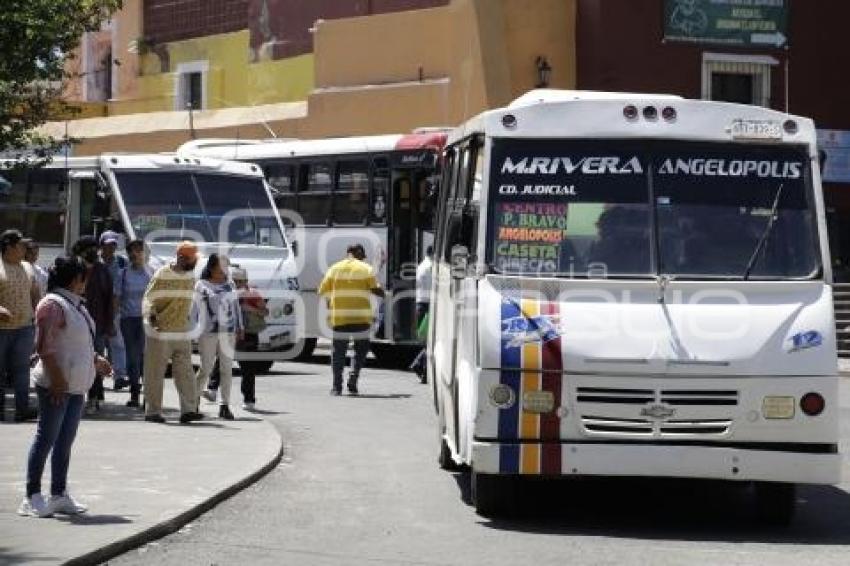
(333, 192)
(224, 206)
(634, 285)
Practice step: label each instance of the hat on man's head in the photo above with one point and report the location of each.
(187, 249)
(10, 238)
(110, 237)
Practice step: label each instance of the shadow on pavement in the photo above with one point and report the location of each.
(377, 396)
(86, 519)
(9, 557)
(659, 509)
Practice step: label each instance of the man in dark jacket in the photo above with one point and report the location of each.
(100, 305)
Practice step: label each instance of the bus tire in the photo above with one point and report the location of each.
(444, 459)
(308, 346)
(492, 495)
(394, 356)
(775, 503)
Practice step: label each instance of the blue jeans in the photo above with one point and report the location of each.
(359, 333)
(117, 350)
(16, 347)
(57, 428)
(133, 331)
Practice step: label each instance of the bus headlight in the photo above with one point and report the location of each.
(502, 396)
(538, 402)
(776, 407)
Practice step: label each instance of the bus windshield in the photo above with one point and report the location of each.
(598, 208)
(200, 205)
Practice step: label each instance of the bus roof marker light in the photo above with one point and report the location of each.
(650, 113)
(114, 160)
(509, 121)
(669, 114)
(630, 112)
(791, 127)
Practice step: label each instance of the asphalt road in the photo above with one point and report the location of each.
(359, 484)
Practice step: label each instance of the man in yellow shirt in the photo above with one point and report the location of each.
(347, 286)
(166, 309)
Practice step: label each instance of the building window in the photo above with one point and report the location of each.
(744, 79)
(190, 87)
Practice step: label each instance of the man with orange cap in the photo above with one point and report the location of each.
(166, 309)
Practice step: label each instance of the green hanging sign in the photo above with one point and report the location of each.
(746, 23)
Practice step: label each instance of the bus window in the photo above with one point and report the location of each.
(380, 190)
(315, 197)
(351, 201)
(34, 203)
(281, 179)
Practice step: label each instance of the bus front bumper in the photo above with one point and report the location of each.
(655, 460)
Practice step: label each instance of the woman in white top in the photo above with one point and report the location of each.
(220, 322)
(68, 364)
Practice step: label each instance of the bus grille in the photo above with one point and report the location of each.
(627, 412)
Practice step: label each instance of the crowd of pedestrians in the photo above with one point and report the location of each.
(96, 314)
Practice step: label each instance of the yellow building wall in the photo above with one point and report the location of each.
(475, 55)
(231, 80)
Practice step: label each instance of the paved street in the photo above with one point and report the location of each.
(359, 485)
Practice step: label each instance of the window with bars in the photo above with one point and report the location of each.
(744, 79)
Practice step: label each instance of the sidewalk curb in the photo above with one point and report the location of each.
(170, 526)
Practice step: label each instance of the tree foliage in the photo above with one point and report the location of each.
(36, 39)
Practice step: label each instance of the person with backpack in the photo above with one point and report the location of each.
(220, 322)
(254, 313)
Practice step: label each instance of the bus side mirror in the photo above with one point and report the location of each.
(459, 262)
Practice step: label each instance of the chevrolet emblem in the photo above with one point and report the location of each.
(660, 412)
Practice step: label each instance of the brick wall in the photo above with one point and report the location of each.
(174, 20)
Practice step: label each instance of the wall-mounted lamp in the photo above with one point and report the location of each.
(544, 72)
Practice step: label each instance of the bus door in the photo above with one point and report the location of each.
(408, 220)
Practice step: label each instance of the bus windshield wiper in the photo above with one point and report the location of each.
(766, 234)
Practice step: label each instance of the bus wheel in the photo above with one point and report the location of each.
(445, 458)
(308, 345)
(776, 502)
(492, 495)
(394, 356)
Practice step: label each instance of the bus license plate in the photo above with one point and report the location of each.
(756, 130)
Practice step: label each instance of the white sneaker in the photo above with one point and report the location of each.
(65, 505)
(35, 506)
(209, 395)
(248, 406)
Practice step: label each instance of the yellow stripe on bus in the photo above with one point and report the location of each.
(531, 381)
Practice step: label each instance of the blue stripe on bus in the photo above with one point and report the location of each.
(509, 418)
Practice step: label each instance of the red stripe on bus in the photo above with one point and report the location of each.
(550, 423)
(436, 141)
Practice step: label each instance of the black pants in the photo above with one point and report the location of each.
(246, 368)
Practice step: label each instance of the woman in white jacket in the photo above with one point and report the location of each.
(220, 322)
(65, 344)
